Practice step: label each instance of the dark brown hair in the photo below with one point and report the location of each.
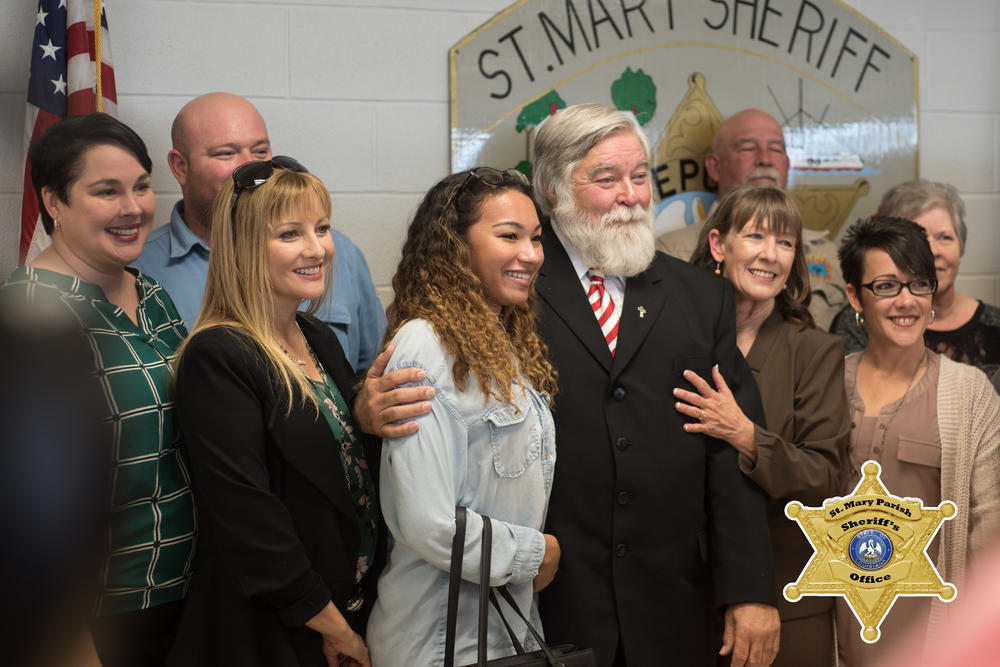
(773, 210)
(903, 240)
(57, 156)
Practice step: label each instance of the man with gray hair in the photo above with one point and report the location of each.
(657, 524)
(658, 527)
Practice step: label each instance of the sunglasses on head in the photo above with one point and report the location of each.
(489, 176)
(252, 175)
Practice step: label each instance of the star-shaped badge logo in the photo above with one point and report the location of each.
(870, 548)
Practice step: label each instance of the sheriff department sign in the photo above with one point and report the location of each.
(843, 89)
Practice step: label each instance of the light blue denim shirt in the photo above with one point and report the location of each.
(494, 459)
(178, 259)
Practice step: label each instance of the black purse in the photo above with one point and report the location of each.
(555, 656)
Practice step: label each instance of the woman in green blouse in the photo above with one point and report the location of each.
(91, 175)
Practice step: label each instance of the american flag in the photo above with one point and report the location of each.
(63, 82)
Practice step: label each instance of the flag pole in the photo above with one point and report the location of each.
(97, 54)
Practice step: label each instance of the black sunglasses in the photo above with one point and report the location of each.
(252, 175)
(489, 176)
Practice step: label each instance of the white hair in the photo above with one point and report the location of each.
(565, 138)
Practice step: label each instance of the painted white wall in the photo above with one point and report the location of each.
(358, 91)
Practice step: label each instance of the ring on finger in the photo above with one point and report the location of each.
(701, 417)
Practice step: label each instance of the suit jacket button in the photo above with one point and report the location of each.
(623, 497)
(620, 551)
(621, 444)
(619, 393)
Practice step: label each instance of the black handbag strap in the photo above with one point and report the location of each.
(454, 583)
(486, 596)
(454, 579)
(484, 585)
(550, 656)
(518, 648)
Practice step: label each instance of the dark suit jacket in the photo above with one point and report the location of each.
(278, 533)
(650, 518)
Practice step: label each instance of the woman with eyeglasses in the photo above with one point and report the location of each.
(962, 328)
(92, 179)
(932, 424)
(464, 312)
(291, 540)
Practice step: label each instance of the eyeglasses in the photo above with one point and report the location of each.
(489, 176)
(252, 175)
(888, 287)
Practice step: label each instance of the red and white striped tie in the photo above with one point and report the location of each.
(604, 309)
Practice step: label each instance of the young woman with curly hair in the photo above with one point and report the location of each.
(463, 312)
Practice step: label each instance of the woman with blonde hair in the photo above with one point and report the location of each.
(290, 541)
(463, 311)
(754, 239)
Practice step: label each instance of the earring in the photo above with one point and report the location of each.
(718, 268)
(55, 223)
(859, 319)
(933, 314)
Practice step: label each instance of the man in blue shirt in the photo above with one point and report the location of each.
(212, 135)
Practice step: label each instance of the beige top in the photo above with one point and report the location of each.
(904, 439)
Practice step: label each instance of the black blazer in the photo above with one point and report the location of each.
(278, 535)
(650, 518)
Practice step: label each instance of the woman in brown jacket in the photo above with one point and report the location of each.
(754, 239)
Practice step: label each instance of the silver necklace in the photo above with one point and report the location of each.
(300, 362)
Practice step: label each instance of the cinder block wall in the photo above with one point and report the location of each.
(358, 91)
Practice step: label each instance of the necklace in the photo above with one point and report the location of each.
(899, 406)
(300, 362)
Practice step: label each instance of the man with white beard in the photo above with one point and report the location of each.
(658, 527)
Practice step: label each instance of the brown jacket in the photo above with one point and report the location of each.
(800, 372)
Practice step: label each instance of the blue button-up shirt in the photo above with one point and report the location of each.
(178, 259)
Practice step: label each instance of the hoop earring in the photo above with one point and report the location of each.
(859, 319)
(55, 224)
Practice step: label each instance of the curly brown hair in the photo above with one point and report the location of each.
(434, 282)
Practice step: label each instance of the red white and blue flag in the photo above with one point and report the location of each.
(63, 82)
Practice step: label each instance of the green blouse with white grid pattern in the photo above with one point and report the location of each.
(153, 524)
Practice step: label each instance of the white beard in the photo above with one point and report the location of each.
(619, 243)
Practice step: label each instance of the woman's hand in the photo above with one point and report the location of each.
(717, 412)
(347, 651)
(550, 563)
(341, 644)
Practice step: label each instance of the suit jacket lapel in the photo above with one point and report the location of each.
(560, 288)
(644, 299)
